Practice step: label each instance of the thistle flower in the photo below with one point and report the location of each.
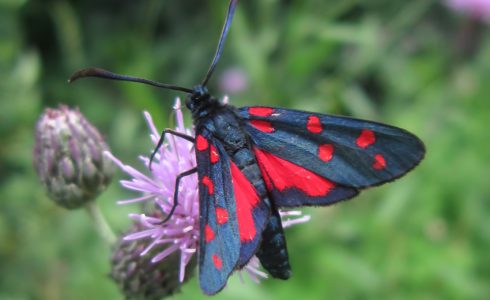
(477, 9)
(138, 277)
(233, 80)
(68, 157)
(181, 233)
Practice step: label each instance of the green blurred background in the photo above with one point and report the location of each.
(414, 64)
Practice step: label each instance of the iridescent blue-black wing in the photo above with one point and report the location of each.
(219, 245)
(232, 216)
(315, 159)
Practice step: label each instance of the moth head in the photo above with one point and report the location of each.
(197, 98)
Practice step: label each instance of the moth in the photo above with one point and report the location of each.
(251, 161)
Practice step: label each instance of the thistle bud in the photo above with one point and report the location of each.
(139, 277)
(68, 157)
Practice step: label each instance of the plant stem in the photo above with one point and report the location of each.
(101, 224)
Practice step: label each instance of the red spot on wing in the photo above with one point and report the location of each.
(262, 125)
(213, 154)
(218, 263)
(284, 175)
(314, 125)
(246, 199)
(261, 111)
(208, 234)
(268, 181)
(325, 152)
(221, 215)
(366, 138)
(379, 162)
(209, 184)
(201, 143)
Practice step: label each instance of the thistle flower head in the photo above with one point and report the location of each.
(181, 233)
(478, 9)
(68, 157)
(233, 80)
(138, 277)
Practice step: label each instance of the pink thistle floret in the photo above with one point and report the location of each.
(478, 9)
(181, 232)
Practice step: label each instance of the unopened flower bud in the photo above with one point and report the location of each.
(68, 157)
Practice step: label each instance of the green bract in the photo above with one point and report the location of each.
(139, 277)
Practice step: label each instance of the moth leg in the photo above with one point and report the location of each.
(176, 192)
(162, 139)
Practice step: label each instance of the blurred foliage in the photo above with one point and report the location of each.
(414, 64)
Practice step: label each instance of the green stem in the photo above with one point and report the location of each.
(101, 224)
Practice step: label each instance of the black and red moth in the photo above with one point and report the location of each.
(253, 160)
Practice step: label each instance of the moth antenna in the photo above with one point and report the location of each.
(101, 73)
(224, 33)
